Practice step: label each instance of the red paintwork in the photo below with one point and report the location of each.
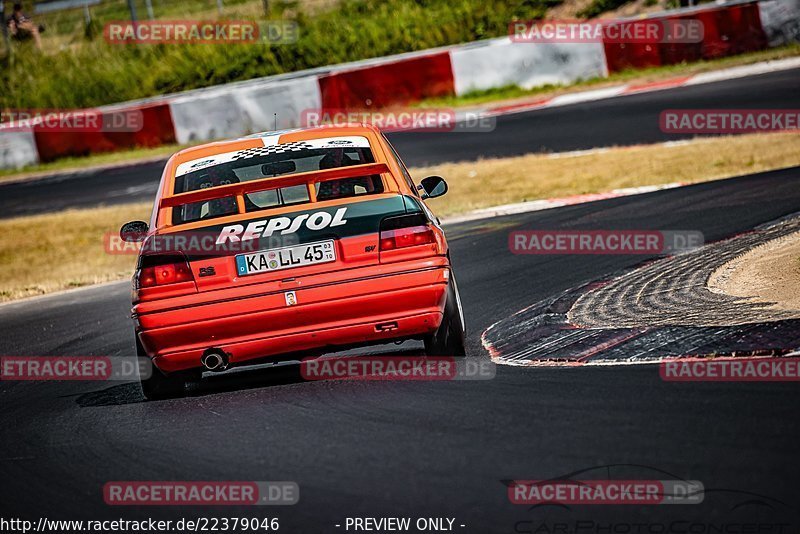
(155, 128)
(728, 30)
(397, 83)
(338, 304)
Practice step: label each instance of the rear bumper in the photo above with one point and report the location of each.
(342, 313)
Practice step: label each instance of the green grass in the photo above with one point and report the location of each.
(95, 72)
(471, 99)
(71, 22)
(475, 98)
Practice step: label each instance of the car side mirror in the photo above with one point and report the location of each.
(433, 186)
(134, 231)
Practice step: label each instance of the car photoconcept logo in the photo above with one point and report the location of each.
(203, 163)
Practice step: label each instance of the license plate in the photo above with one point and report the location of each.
(277, 259)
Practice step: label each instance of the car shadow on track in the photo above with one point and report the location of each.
(232, 380)
(131, 393)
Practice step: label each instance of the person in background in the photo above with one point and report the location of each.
(22, 28)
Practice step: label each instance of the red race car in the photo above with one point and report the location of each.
(284, 244)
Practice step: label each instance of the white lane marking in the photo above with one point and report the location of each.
(742, 71)
(755, 69)
(585, 96)
(638, 361)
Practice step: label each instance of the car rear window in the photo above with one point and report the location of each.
(255, 167)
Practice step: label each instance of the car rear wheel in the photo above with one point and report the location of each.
(162, 386)
(448, 340)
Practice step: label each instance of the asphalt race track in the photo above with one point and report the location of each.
(627, 120)
(424, 449)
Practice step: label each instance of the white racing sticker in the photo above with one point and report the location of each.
(272, 146)
(286, 225)
(271, 138)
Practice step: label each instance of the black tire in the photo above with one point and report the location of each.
(162, 386)
(448, 340)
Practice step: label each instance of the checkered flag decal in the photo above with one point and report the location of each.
(297, 146)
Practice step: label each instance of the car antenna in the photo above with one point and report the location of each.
(276, 123)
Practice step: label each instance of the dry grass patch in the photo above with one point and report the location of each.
(492, 182)
(45, 253)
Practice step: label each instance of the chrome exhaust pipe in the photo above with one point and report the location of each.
(214, 360)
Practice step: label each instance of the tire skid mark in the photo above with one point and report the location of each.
(673, 291)
(661, 309)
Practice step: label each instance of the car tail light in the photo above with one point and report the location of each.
(405, 231)
(163, 270)
(406, 237)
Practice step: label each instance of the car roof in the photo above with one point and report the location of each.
(372, 134)
(274, 137)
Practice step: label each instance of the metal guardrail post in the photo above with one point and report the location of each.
(132, 8)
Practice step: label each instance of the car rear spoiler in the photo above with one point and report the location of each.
(240, 189)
